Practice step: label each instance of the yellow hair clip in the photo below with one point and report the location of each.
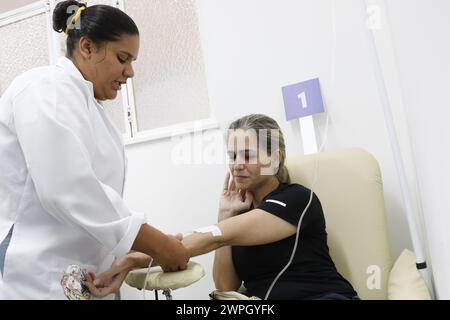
(75, 18)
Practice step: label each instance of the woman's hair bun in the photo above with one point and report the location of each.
(61, 14)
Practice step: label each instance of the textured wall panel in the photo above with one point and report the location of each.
(24, 45)
(170, 84)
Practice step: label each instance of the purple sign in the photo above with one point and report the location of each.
(302, 99)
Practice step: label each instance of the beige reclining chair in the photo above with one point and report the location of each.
(350, 188)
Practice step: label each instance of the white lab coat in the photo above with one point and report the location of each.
(62, 171)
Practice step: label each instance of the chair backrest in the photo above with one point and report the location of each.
(350, 188)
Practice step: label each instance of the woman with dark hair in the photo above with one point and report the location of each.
(260, 214)
(63, 165)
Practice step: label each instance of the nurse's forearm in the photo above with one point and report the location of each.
(166, 250)
(149, 241)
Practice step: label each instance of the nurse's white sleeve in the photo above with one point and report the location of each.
(58, 141)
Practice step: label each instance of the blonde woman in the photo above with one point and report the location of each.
(259, 212)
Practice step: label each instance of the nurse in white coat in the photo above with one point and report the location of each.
(62, 165)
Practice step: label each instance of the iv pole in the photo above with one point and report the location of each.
(411, 214)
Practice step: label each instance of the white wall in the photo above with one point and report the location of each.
(175, 199)
(420, 41)
(252, 48)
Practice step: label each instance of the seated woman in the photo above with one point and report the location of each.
(259, 214)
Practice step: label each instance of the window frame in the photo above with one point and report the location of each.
(132, 135)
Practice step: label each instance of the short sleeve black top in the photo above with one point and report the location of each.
(312, 271)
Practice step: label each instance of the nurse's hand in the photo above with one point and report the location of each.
(108, 282)
(166, 250)
(111, 280)
(174, 256)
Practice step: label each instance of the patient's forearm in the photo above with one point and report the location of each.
(231, 233)
(199, 243)
(224, 274)
(252, 228)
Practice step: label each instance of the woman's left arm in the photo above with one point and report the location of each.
(255, 227)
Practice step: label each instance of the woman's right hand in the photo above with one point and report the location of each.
(111, 280)
(233, 201)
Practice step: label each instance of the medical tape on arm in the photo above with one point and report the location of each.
(213, 229)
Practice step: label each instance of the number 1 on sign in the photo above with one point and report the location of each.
(302, 98)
